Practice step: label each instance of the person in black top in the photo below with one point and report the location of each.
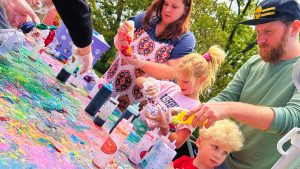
(76, 17)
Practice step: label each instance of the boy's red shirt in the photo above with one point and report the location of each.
(184, 162)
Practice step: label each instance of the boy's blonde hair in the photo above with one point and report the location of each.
(195, 65)
(225, 131)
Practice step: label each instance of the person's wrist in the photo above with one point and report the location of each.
(165, 129)
(83, 51)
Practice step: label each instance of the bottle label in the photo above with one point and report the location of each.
(109, 146)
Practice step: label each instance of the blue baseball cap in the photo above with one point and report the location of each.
(273, 10)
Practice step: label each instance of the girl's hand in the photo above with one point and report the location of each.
(151, 89)
(161, 119)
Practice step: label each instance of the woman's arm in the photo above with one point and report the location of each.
(161, 71)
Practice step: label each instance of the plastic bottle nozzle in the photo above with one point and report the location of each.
(109, 85)
(156, 131)
(167, 136)
(136, 106)
(130, 119)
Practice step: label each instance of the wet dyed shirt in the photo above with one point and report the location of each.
(265, 84)
(123, 75)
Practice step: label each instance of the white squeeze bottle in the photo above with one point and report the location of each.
(161, 154)
(115, 140)
(143, 146)
(106, 110)
(290, 159)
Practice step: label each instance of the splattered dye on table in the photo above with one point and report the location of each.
(43, 124)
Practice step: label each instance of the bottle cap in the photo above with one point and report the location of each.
(172, 145)
(155, 132)
(134, 109)
(115, 99)
(109, 86)
(165, 138)
(126, 124)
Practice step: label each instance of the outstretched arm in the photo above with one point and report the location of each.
(19, 12)
(260, 117)
(77, 18)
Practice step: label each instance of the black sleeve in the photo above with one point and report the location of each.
(76, 15)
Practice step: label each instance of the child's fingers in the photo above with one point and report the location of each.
(176, 110)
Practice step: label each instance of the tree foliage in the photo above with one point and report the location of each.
(213, 22)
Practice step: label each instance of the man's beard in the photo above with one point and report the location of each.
(274, 54)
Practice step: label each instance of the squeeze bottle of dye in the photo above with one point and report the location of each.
(160, 156)
(131, 110)
(179, 118)
(106, 110)
(100, 98)
(140, 127)
(72, 66)
(143, 146)
(113, 143)
(290, 159)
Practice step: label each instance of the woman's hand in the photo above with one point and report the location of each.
(124, 30)
(134, 59)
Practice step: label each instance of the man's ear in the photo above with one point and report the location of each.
(295, 28)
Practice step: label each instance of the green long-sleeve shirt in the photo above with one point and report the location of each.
(264, 84)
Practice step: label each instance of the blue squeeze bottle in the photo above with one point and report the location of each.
(100, 98)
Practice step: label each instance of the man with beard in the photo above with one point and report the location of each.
(262, 96)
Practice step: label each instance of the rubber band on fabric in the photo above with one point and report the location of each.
(27, 27)
(42, 26)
